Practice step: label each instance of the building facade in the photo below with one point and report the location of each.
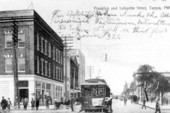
(79, 60)
(39, 55)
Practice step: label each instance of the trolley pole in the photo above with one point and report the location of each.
(15, 63)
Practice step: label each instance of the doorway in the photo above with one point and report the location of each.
(23, 94)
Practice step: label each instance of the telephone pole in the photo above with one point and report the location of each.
(15, 63)
(66, 49)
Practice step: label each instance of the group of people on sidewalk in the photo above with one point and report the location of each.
(6, 104)
(157, 106)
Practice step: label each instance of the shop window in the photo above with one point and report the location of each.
(38, 84)
(48, 86)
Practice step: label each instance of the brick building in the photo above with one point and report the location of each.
(39, 53)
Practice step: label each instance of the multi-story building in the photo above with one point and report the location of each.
(39, 55)
(75, 72)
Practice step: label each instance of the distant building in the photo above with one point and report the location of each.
(40, 57)
(75, 71)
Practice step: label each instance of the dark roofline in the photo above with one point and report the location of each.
(50, 30)
(21, 15)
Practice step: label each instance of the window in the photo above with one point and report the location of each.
(45, 46)
(49, 50)
(21, 64)
(49, 69)
(38, 64)
(42, 66)
(61, 57)
(53, 53)
(54, 71)
(62, 74)
(56, 55)
(59, 74)
(21, 41)
(8, 40)
(38, 39)
(8, 65)
(45, 68)
(42, 44)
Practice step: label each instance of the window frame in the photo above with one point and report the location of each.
(6, 71)
(19, 59)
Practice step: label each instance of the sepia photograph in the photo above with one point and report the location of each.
(84, 56)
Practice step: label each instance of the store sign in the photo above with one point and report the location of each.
(97, 101)
(23, 84)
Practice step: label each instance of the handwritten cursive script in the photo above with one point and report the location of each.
(112, 23)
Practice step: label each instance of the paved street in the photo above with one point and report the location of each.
(118, 107)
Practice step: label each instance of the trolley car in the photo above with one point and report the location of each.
(95, 94)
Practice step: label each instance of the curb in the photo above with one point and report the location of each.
(146, 106)
(152, 107)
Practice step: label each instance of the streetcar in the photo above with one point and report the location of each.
(96, 96)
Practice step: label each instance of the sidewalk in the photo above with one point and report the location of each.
(152, 105)
(43, 109)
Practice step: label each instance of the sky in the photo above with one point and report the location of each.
(135, 37)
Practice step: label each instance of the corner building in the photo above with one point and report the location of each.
(39, 55)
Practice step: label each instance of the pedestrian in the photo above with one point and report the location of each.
(67, 103)
(33, 104)
(25, 103)
(37, 103)
(72, 103)
(157, 107)
(56, 103)
(9, 104)
(4, 103)
(110, 104)
(144, 103)
(125, 101)
(47, 102)
(81, 101)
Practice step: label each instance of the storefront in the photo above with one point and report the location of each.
(31, 86)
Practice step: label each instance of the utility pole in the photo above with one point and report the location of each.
(15, 63)
(66, 40)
